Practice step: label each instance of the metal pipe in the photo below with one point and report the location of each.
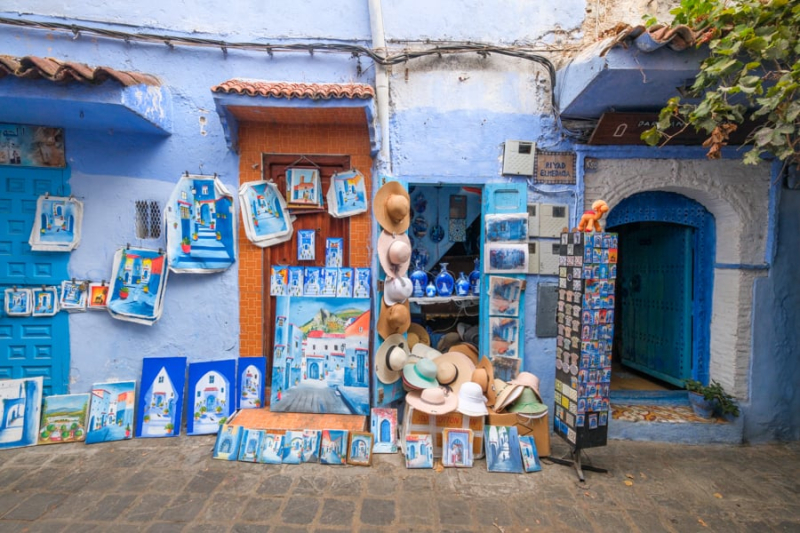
(381, 85)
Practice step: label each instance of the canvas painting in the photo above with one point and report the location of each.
(361, 283)
(211, 395)
(229, 439)
(264, 213)
(360, 449)
(45, 301)
(160, 411)
(419, 451)
(74, 295)
(505, 368)
(383, 426)
(330, 277)
(312, 281)
(508, 258)
(311, 439)
(344, 286)
(504, 337)
(303, 188)
(137, 289)
(250, 386)
(321, 356)
(306, 245)
(504, 296)
(111, 412)
(507, 228)
(530, 457)
(57, 224)
(293, 447)
(278, 280)
(347, 194)
(333, 447)
(20, 411)
(251, 443)
(64, 419)
(18, 302)
(201, 226)
(334, 248)
(32, 146)
(97, 298)
(502, 449)
(457, 447)
(271, 450)
(295, 281)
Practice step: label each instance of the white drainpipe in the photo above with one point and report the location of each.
(381, 85)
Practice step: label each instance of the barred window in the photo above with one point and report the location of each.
(559, 211)
(148, 219)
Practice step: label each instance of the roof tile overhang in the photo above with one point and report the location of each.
(47, 91)
(243, 100)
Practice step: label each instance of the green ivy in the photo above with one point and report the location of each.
(752, 72)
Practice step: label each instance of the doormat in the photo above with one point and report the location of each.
(675, 414)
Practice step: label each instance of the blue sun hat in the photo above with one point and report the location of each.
(420, 375)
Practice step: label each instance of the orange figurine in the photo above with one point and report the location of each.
(590, 220)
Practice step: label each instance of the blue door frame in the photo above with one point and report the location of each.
(658, 206)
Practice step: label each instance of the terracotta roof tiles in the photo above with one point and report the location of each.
(31, 67)
(649, 39)
(280, 89)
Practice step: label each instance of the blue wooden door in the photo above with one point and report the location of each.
(655, 291)
(31, 346)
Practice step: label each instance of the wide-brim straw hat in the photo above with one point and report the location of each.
(506, 394)
(393, 319)
(467, 349)
(471, 401)
(420, 374)
(423, 351)
(396, 290)
(434, 401)
(483, 375)
(526, 379)
(392, 207)
(394, 254)
(447, 340)
(422, 335)
(527, 403)
(453, 370)
(391, 358)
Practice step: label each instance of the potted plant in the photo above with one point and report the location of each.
(219, 236)
(701, 398)
(186, 246)
(123, 293)
(725, 405)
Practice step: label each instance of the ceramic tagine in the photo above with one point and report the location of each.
(462, 285)
(475, 280)
(445, 283)
(419, 280)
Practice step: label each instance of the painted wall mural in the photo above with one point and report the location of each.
(137, 290)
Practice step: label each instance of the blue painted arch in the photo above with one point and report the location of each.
(669, 207)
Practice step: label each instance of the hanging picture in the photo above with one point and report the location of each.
(321, 357)
(303, 188)
(457, 447)
(334, 247)
(278, 280)
(419, 451)
(292, 447)
(111, 412)
(271, 449)
(57, 224)
(306, 244)
(312, 281)
(265, 216)
(229, 439)
(347, 194)
(63, 419)
(505, 368)
(74, 295)
(507, 228)
(138, 284)
(210, 391)
(251, 443)
(32, 146)
(333, 447)
(502, 450)
(21, 401)
(508, 258)
(160, 411)
(530, 457)
(504, 296)
(97, 299)
(295, 281)
(311, 440)
(250, 386)
(383, 425)
(504, 337)
(344, 286)
(18, 302)
(45, 301)
(361, 283)
(330, 277)
(360, 449)
(201, 226)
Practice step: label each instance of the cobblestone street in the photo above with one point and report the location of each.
(165, 485)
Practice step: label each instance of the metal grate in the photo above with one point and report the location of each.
(148, 219)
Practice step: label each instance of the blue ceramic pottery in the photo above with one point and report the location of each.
(430, 290)
(445, 283)
(419, 280)
(462, 285)
(475, 280)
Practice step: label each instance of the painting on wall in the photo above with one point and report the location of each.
(507, 227)
(201, 226)
(97, 298)
(32, 146)
(419, 451)
(504, 337)
(211, 395)
(18, 302)
(64, 419)
(508, 258)
(360, 449)
(138, 285)
(264, 213)
(111, 412)
(160, 410)
(321, 355)
(271, 450)
(303, 188)
(333, 447)
(56, 224)
(74, 295)
(347, 194)
(250, 385)
(306, 245)
(45, 301)
(502, 449)
(530, 457)
(504, 296)
(251, 443)
(20, 411)
(229, 439)
(383, 426)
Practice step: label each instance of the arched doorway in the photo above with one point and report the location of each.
(664, 285)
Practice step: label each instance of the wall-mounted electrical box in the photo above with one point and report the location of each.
(553, 218)
(533, 220)
(533, 257)
(548, 257)
(519, 157)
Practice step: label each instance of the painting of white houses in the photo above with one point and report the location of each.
(161, 402)
(250, 386)
(303, 187)
(57, 224)
(321, 356)
(111, 412)
(45, 301)
(271, 450)
(211, 397)
(20, 411)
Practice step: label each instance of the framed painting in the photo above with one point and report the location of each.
(333, 447)
(138, 284)
(457, 447)
(21, 401)
(502, 449)
(211, 395)
(160, 410)
(360, 449)
(111, 412)
(57, 224)
(303, 188)
(64, 419)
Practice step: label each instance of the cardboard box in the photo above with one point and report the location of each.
(538, 426)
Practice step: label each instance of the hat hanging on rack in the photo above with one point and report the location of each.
(392, 207)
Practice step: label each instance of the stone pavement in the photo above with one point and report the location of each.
(165, 485)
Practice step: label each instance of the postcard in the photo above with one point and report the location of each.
(334, 248)
(361, 283)
(278, 280)
(344, 286)
(306, 245)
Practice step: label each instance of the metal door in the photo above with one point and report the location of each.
(31, 346)
(655, 307)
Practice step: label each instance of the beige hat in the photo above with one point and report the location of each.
(467, 349)
(453, 370)
(526, 379)
(396, 290)
(393, 319)
(484, 376)
(394, 254)
(506, 394)
(392, 207)
(434, 401)
(390, 359)
(421, 332)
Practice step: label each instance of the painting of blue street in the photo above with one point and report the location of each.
(350, 192)
(250, 385)
(161, 401)
(293, 447)
(20, 411)
(502, 449)
(137, 289)
(251, 443)
(58, 219)
(530, 457)
(311, 438)
(321, 355)
(271, 451)
(333, 448)
(264, 207)
(228, 441)
(111, 412)
(211, 401)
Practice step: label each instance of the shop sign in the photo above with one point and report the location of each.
(627, 129)
(31, 146)
(555, 167)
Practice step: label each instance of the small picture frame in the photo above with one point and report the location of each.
(360, 449)
(18, 302)
(457, 448)
(333, 447)
(74, 295)
(419, 450)
(97, 299)
(44, 301)
(306, 244)
(303, 188)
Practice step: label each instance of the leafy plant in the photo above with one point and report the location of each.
(724, 402)
(185, 241)
(752, 72)
(703, 390)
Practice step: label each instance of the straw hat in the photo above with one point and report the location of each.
(392, 207)
(396, 290)
(527, 403)
(467, 349)
(393, 319)
(434, 401)
(447, 340)
(526, 379)
(471, 401)
(453, 370)
(394, 254)
(420, 375)
(423, 351)
(390, 359)
(506, 394)
(484, 376)
(421, 332)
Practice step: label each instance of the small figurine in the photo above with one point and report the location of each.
(590, 220)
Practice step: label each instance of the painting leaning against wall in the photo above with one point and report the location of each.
(64, 419)
(20, 411)
(111, 412)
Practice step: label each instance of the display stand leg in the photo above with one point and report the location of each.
(574, 460)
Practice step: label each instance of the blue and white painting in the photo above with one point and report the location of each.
(334, 247)
(383, 426)
(530, 457)
(45, 301)
(211, 395)
(18, 302)
(347, 194)
(333, 447)
(311, 439)
(321, 357)
(251, 444)
(57, 224)
(271, 451)
(266, 219)
(306, 245)
(201, 226)
(229, 439)
(20, 411)
(137, 286)
(419, 451)
(160, 412)
(507, 228)
(502, 449)
(250, 386)
(111, 412)
(360, 449)
(74, 295)
(312, 281)
(292, 447)
(295, 281)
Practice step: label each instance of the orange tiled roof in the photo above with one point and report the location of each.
(649, 39)
(283, 89)
(32, 67)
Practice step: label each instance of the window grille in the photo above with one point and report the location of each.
(148, 219)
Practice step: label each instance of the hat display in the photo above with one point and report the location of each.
(453, 370)
(484, 376)
(526, 379)
(467, 349)
(394, 254)
(447, 340)
(434, 401)
(390, 359)
(527, 403)
(423, 351)
(421, 332)
(421, 374)
(396, 290)
(392, 207)
(471, 401)
(506, 394)
(393, 319)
